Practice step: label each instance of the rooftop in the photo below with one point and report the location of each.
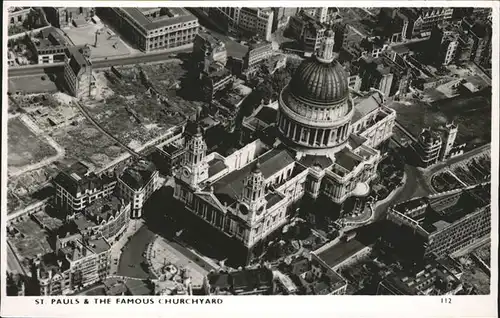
(229, 187)
(267, 115)
(78, 249)
(347, 159)
(139, 174)
(242, 281)
(104, 208)
(215, 166)
(365, 105)
(50, 37)
(171, 17)
(273, 198)
(77, 61)
(76, 179)
(448, 207)
(429, 279)
(339, 252)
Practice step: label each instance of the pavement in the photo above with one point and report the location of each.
(132, 228)
(132, 261)
(162, 251)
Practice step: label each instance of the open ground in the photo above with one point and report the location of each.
(24, 146)
(471, 114)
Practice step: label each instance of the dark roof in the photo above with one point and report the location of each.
(273, 198)
(355, 141)
(172, 149)
(137, 287)
(215, 166)
(311, 160)
(338, 253)
(139, 174)
(247, 280)
(267, 115)
(77, 60)
(346, 159)
(221, 280)
(229, 188)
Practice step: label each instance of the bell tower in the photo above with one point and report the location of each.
(253, 199)
(194, 166)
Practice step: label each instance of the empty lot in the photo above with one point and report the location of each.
(24, 146)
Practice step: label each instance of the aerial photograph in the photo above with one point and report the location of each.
(248, 151)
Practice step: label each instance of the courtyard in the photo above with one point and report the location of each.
(103, 41)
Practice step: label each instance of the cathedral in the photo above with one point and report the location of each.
(326, 146)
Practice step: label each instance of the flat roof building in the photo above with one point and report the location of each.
(137, 183)
(443, 223)
(153, 28)
(50, 47)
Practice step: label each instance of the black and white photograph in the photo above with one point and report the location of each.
(228, 151)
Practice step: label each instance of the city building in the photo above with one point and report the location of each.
(430, 279)
(437, 144)
(374, 73)
(420, 21)
(16, 284)
(274, 63)
(17, 15)
(49, 48)
(258, 52)
(441, 224)
(78, 74)
(208, 50)
(310, 275)
(307, 30)
(77, 262)
(428, 147)
(78, 187)
(257, 21)
(215, 79)
(108, 217)
(137, 183)
(257, 281)
(282, 16)
(11, 58)
(447, 42)
(253, 21)
(61, 17)
(323, 146)
(153, 28)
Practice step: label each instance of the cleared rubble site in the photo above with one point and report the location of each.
(135, 104)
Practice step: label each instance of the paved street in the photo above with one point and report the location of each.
(418, 181)
(132, 260)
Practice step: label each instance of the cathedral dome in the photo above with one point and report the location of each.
(320, 82)
(315, 109)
